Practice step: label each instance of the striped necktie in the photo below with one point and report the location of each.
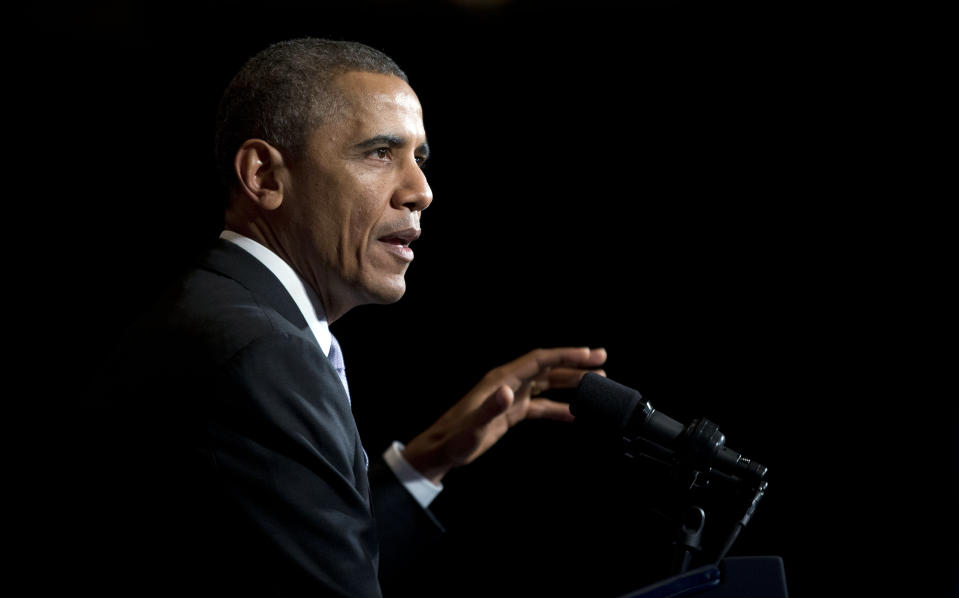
(336, 360)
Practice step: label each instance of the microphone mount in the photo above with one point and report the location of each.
(695, 456)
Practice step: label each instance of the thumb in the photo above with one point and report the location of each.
(495, 405)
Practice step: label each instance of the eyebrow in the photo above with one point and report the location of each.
(392, 141)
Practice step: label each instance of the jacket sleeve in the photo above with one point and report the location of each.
(407, 531)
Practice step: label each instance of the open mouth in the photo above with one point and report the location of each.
(401, 238)
(399, 241)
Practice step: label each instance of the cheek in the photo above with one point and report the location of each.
(365, 215)
(337, 212)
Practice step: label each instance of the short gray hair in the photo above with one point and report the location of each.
(285, 92)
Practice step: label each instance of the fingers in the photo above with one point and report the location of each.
(546, 409)
(560, 378)
(576, 357)
(539, 361)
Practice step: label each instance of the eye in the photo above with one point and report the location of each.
(383, 153)
(421, 160)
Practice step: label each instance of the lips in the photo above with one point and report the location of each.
(399, 241)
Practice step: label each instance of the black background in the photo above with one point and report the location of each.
(728, 202)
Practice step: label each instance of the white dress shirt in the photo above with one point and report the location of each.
(423, 490)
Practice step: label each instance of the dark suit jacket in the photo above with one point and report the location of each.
(233, 463)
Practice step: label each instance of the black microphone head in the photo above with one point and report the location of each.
(603, 403)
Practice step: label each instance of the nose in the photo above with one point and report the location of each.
(413, 192)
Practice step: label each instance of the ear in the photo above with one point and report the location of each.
(260, 170)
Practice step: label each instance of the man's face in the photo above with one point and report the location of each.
(354, 199)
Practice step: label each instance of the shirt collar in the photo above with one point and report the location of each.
(304, 297)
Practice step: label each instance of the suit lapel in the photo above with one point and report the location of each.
(234, 262)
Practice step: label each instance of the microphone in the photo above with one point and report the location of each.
(607, 405)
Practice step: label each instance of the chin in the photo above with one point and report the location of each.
(386, 292)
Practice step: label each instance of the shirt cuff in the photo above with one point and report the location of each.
(423, 490)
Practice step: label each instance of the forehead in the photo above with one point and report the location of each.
(371, 101)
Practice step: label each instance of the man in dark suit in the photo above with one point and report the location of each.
(233, 458)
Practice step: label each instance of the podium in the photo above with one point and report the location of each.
(734, 577)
